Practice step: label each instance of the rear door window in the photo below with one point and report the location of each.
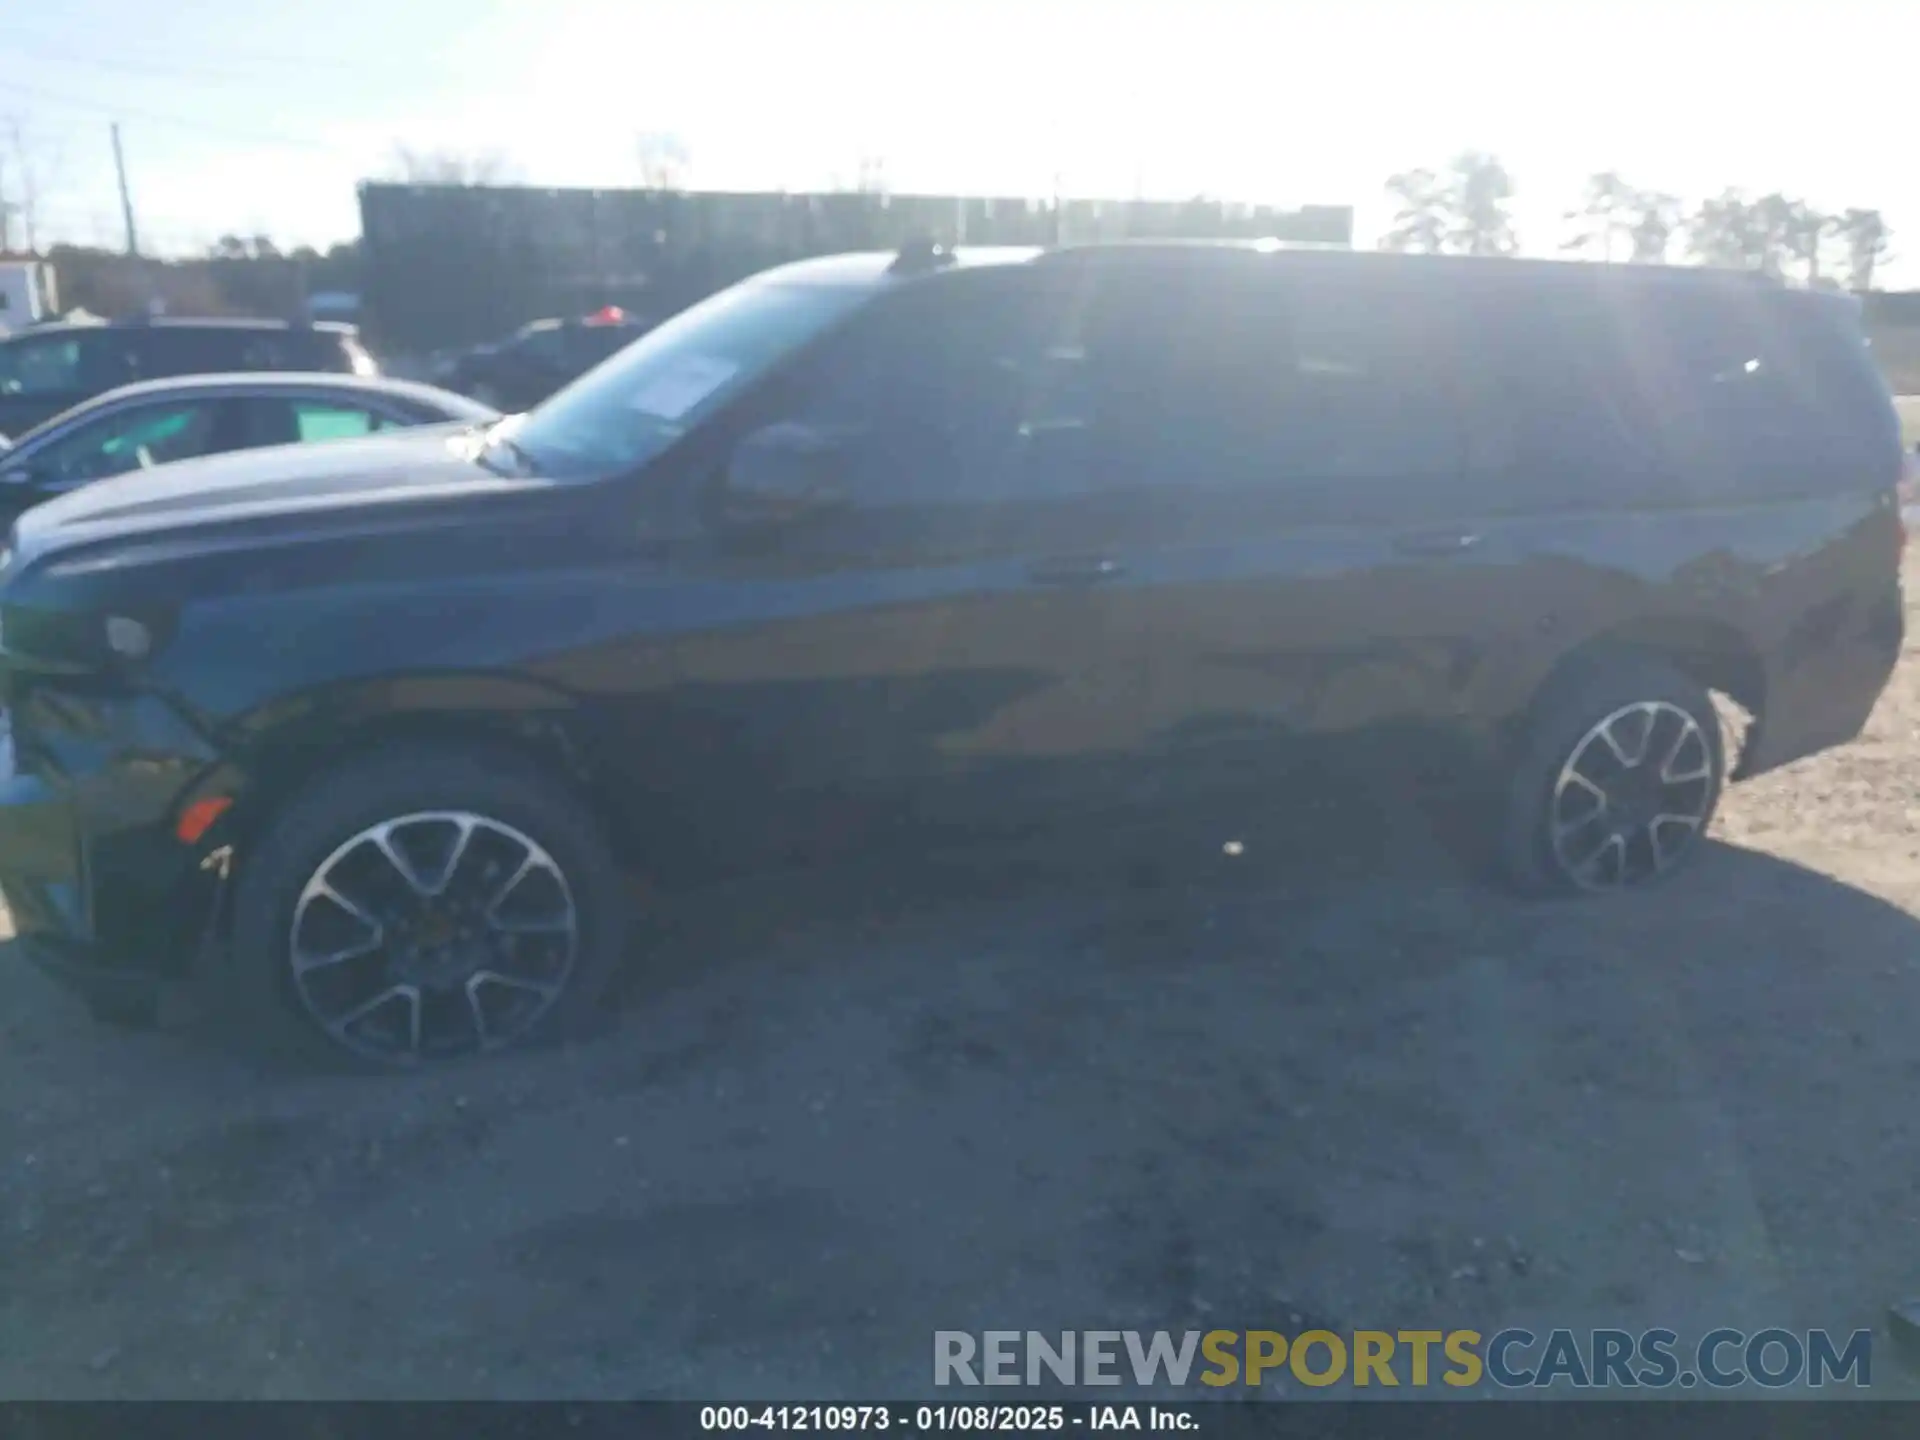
(1316, 390)
(1557, 420)
(1370, 388)
(334, 420)
(1181, 375)
(294, 420)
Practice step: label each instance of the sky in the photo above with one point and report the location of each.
(242, 117)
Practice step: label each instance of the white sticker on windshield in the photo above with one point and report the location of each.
(685, 385)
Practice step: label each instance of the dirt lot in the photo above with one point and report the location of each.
(1130, 1081)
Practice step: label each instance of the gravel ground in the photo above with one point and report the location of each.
(1114, 1081)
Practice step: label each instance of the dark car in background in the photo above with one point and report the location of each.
(981, 539)
(537, 359)
(50, 368)
(158, 422)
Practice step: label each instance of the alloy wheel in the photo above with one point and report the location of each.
(1632, 797)
(432, 935)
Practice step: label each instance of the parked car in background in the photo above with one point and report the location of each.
(161, 421)
(519, 372)
(989, 538)
(50, 368)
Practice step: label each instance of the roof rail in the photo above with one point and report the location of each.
(921, 255)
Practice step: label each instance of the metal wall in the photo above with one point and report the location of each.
(450, 265)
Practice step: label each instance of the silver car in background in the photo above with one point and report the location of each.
(158, 421)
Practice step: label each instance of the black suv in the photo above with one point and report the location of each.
(51, 368)
(537, 359)
(374, 726)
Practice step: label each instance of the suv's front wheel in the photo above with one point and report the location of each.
(1617, 779)
(416, 906)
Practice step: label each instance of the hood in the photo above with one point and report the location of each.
(292, 481)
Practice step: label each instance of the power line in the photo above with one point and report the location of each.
(252, 59)
(50, 97)
(162, 71)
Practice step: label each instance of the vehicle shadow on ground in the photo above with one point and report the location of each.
(1304, 1055)
(1112, 1076)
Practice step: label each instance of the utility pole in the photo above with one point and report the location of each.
(5, 209)
(29, 205)
(126, 200)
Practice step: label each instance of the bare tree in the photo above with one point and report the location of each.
(665, 160)
(1655, 219)
(1805, 232)
(1730, 230)
(1865, 235)
(1420, 219)
(1482, 190)
(1608, 214)
(244, 247)
(1780, 225)
(448, 167)
(1464, 212)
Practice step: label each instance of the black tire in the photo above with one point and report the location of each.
(256, 997)
(1565, 717)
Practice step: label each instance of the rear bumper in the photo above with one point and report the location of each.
(1822, 689)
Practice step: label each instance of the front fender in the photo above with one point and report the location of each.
(269, 751)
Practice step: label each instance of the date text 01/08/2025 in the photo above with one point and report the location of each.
(949, 1418)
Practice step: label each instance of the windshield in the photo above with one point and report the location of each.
(626, 411)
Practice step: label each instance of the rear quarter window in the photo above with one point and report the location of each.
(1670, 394)
(1765, 385)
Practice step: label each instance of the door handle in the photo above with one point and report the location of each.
(1075, 570)
(1435, 542)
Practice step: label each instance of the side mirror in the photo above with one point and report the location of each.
(783, 474)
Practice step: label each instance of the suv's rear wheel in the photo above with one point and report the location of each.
(1617, 780)
(417, 906)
